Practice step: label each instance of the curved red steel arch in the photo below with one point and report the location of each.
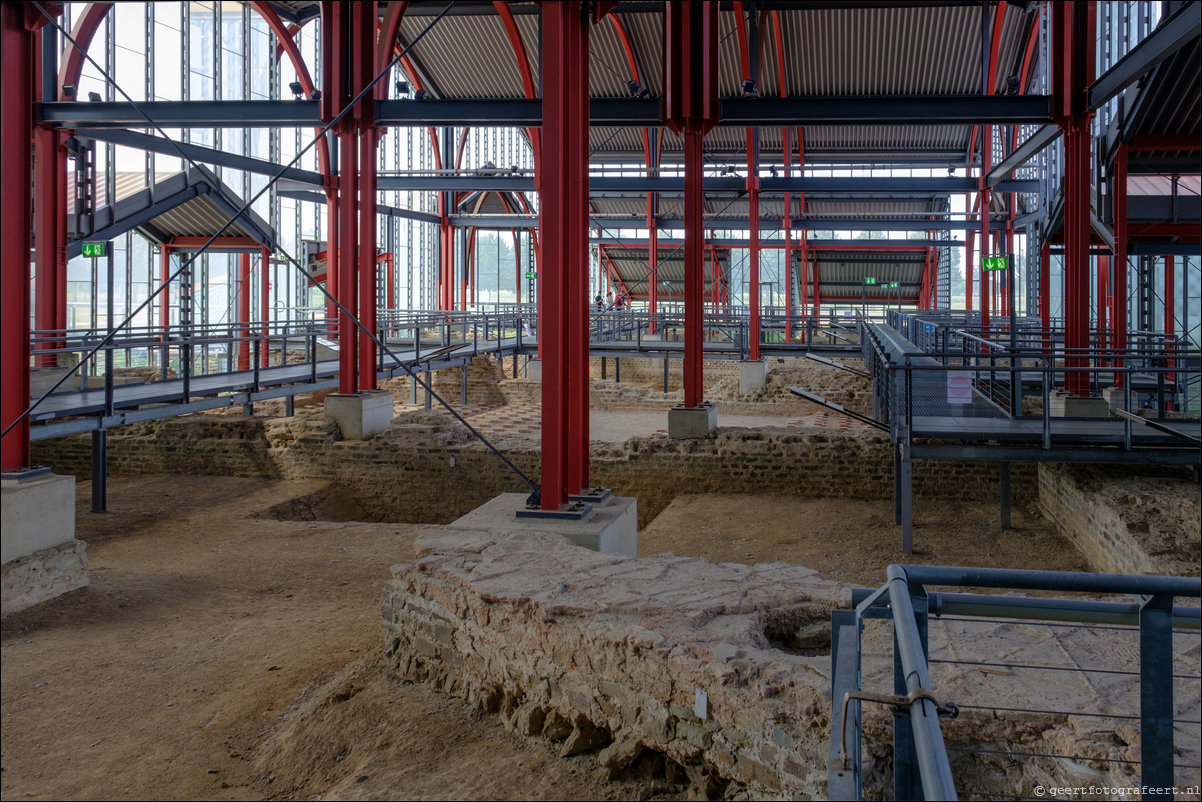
(71, 63)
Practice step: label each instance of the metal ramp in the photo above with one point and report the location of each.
(832, 363)
(831, 405)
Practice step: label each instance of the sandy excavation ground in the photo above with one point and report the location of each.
(222, 654)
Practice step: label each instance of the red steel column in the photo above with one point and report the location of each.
(986, 196)
(348, 333)
(60, 306)
(753, 214)
(368, 137)
(45, 214)
(1045, 292)
(817, 295)
(265, 309)
(564, 285)
(1076, 253)
(390, 260)
(18, 25)
(690, 108)
(652, 263)
(243, 328)
(1073, 68)
(1170, 291)
(165, 295)
(787, 226)
(1170, 307)
(331, 182)
(968, 266)
(1120, 259)
(694, 275)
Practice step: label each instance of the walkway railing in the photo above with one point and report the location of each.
(1150, 646)
(1149, 380)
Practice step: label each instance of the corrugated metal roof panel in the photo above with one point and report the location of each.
(466, 56)
(198, 217)
(633, 266)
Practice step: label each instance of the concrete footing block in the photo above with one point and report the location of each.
(41, 557)
(360, 416)
(1063, 405)
(612, 527)
(753, 374)
(534, 370)
(692, 423)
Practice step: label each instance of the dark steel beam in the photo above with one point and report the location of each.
(730, 185)
(503, 221)
(1170, 36)
(199, 153)
(521, 113)
(899, 110)
(391, 211)
(1101, 455)
(1023, 153)
(119, 226)
(183, 114)
(848, 245)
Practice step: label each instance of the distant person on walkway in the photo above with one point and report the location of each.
(620, 302)
(599, 302)
(609, 300)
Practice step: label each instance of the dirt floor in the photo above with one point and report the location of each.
(222, 654)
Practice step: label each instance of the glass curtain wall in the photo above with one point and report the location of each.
(209, 50)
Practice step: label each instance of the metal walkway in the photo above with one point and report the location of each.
(933, 407)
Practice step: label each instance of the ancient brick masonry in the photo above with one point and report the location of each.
(1126, 524)
(598, 651)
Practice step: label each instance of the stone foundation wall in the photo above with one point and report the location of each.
(609, 653)
(427, 469)
(1125, 524)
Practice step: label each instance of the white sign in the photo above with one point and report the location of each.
(959, 387)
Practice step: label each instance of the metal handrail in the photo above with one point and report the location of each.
(905, 600)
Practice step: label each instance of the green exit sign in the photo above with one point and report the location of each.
(94, 249)
(995, 263)
(531, 275)
(893, 285)
(870, 279)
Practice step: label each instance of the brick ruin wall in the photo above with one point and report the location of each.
(426, 469)
(1124, 524)
(713, 678)
(602, 652)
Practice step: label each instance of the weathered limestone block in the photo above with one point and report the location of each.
(600, 651)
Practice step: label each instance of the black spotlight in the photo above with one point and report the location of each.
(316, 95)
(419, 94)
(297, 89)
(68, 90)
(772, 170)
(94, 97)
(402, 88)
(749, 88)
